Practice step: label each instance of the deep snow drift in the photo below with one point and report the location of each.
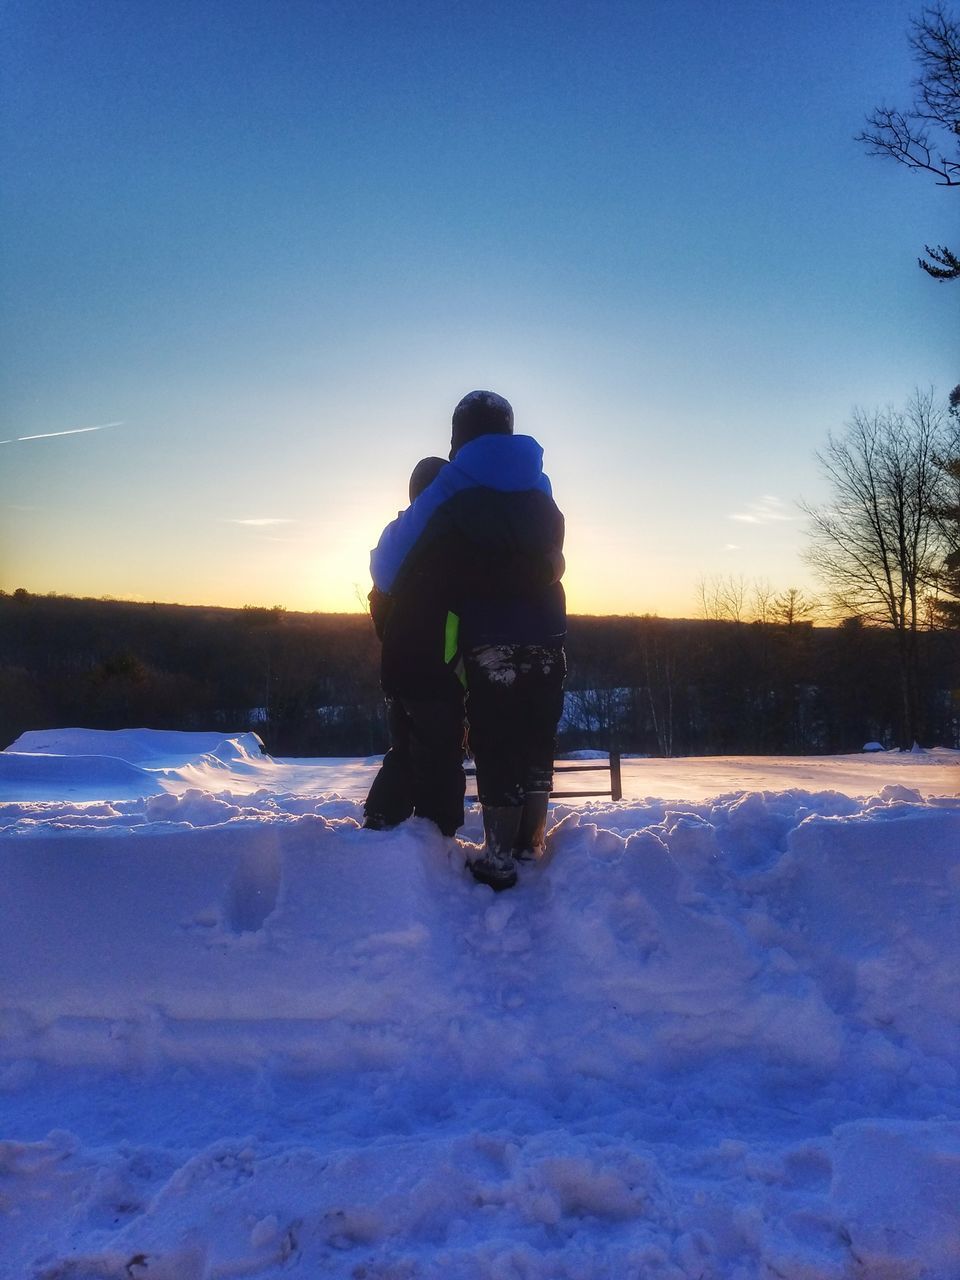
(713, 1038)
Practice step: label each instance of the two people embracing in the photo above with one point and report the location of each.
(468, 603)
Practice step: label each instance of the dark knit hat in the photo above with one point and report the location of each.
(424, 473)
(480, 413)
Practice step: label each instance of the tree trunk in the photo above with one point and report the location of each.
(909, 662)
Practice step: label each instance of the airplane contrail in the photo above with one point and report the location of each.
(75, 431)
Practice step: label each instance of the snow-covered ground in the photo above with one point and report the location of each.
(716, 1036)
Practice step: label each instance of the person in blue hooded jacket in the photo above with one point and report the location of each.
(484, 544)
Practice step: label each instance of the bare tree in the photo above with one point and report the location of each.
(763, 601)
(927, 136)
(793, 606)
(878, 546)
(734, 599)
(723, 599)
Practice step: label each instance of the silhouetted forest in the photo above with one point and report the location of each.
(308, 682)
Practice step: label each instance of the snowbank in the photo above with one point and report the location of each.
(139, 746)
(125, 763)
(713, 1039)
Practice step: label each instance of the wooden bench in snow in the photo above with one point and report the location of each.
(611, 765)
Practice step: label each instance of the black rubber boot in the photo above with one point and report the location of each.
(529, 844)
(495, 866)
(377, 822)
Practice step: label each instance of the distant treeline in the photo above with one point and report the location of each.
(308, 683)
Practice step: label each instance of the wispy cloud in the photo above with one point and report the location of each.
(732, 546)
(51, 435)
(260, 522)
(766, 510)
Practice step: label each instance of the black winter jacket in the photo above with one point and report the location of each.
(484, 542)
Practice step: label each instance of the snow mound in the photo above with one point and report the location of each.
(101, 763)
(679, 934)
(25, 771)
(140, 746)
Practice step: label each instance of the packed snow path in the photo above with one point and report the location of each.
(714, 1038)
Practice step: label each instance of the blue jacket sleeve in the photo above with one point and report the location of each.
(402, 535)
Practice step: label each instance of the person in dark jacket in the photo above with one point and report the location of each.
(486, 539)
(422, 772)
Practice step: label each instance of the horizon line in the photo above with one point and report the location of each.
(356, 612)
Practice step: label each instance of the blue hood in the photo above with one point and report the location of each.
(507, 463)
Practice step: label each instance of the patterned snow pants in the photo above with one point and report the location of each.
(514, 703)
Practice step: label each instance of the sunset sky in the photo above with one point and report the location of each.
(255, 252)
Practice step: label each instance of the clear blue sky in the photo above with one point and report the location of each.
(273, 243)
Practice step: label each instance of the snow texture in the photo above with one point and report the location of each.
(708, 1039)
